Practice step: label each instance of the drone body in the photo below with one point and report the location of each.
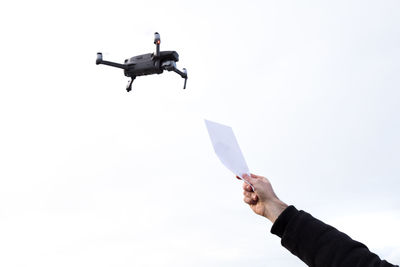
(147, 64)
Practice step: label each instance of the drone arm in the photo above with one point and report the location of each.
(113, 64)
(100, 60)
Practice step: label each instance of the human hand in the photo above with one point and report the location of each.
(263, 200)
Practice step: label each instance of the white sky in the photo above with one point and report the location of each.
(94, 176)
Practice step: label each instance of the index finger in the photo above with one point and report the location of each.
(247, 187)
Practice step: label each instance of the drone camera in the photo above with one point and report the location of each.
(168, 65)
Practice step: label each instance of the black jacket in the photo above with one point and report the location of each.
(319, 244)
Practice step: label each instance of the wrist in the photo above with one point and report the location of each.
(273, 209)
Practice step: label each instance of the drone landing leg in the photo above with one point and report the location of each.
(183, 74)
(184, 85)
(129, 85)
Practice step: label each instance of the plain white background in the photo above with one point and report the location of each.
(91, 175)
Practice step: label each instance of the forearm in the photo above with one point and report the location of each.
(319, 244)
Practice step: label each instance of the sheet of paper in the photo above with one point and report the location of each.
(227, 148)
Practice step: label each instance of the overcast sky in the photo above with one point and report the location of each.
(91, 175)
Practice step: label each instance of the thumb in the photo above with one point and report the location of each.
(250, 178)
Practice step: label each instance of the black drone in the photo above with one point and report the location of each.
(147, 64)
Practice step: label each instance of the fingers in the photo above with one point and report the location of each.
(249, 201)
(246, 180)
(247, 187)
(249, 180)
(251, 195)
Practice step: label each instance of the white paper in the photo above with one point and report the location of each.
(227, 148)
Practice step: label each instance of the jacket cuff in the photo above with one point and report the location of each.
(279, 226)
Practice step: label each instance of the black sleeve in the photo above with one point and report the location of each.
(319, 244)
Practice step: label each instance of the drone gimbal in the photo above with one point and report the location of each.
(147, 64)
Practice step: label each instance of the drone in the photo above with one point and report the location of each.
(147, 64)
